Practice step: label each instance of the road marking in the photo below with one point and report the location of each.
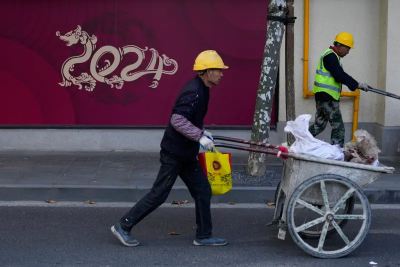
(73, 204)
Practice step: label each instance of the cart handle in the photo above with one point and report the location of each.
(279, 153)
(242, 141)
(383, 93)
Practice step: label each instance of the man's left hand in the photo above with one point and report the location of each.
(364, 87)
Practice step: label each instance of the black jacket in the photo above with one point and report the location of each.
(192, 103)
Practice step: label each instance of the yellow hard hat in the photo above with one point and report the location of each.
(208, 59)
(345, 38)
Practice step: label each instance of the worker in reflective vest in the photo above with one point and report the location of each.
(328, 85)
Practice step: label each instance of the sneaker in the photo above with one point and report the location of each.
(211, 241)
(124, 236)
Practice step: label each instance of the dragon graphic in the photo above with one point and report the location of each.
(89, 43)
(99, 74)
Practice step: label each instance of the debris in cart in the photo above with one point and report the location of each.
(365, 150)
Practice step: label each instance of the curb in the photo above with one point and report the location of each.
(251, 194)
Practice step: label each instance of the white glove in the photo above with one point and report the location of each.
(363, 86)
(206, 143)
(207, 133)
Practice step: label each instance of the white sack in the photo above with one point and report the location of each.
(306, 144)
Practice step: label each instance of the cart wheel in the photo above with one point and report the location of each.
(348, 209)
(329, 217)
(314, 234)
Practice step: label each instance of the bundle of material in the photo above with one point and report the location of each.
(365, 150)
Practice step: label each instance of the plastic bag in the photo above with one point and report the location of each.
(217, 167)
(306, 144)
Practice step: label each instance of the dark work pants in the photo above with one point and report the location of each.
(329, 111)
(196, 181)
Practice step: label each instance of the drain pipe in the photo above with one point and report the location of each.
(306, 47)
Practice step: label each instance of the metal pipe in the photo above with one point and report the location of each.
(343, 94)
(253, 149)
(306, 47)
(355, 114)
(247, 142)
(383, 93)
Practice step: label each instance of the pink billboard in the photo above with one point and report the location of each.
(123, 62)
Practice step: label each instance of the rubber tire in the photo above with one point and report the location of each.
(292, 204)
(350, 202)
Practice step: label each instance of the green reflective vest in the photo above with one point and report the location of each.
(324, 82)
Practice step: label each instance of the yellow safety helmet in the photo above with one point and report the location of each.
(345, 38)
(208, 59)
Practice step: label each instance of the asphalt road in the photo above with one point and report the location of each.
(80, 236)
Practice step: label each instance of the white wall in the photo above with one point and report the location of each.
(392, 106)
(327, 19)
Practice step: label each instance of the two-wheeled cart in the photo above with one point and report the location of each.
(327, 191)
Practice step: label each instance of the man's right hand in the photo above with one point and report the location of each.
(363, 86)
(206, 143)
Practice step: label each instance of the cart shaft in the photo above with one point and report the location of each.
(254, 149)
(242, 141)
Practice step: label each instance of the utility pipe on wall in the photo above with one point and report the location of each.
(306, 92)
(305, 52)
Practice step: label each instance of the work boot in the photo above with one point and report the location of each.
(124, 236)
(211, 241)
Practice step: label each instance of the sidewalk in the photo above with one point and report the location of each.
(114, 176)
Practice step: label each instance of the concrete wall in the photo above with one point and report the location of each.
(383, 26)
(96, 140)
(124, 139)
(392, 106)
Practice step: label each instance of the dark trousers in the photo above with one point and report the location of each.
(196, 181)
(329, 111)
